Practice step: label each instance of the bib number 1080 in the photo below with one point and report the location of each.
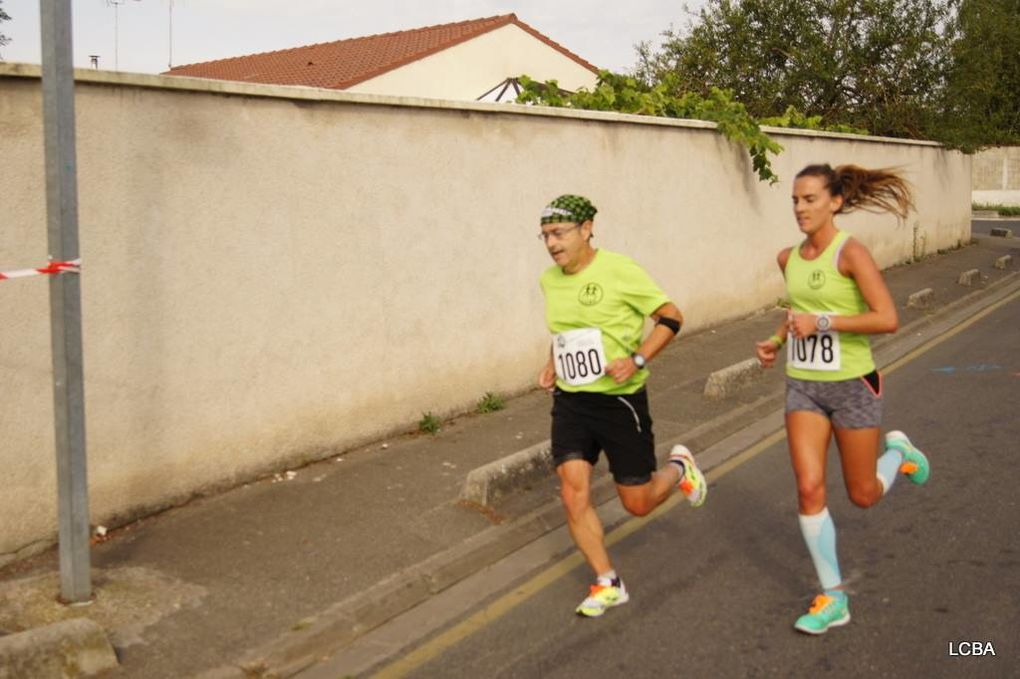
(815, 352)
(578, 356)
(579, 364)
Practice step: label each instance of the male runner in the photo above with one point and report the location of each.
(596, 304)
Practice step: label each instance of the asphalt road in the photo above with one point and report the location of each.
(714, 591)
(984, 226)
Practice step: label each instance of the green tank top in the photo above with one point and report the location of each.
(817, 286)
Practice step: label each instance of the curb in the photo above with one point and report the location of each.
(70, 648)
(1001, 232)
(733, 378)
(345, 621)
(486, 484)
(1004, 262)
(968, 277)
(921, 299)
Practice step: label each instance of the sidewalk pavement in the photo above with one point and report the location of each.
(265, 579)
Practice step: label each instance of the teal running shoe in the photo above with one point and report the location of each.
(915, 463)
(692, 483)
(826, 611)
(601, 598)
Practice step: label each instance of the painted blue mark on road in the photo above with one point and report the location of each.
(976, 368)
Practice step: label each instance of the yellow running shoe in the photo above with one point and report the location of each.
(602, 597)
(692, 483)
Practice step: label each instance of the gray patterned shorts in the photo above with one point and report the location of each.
(849, 404)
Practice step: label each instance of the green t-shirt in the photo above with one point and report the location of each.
(612, 294)
(817, 286)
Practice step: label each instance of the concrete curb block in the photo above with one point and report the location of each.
(1004, 262)
(1001, 232)
(723, 383)
(484, 485)
(70, 648)
(921, 299)
(984, 214)
(969, 277)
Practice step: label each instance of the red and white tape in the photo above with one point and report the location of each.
(53, 268)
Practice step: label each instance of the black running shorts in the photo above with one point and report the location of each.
(583, 424)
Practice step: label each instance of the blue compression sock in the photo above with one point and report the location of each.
(820, 535)
(889, 467)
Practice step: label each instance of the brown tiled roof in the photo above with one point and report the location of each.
(344, 63)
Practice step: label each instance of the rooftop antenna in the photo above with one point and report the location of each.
(170, 40)
(116, 30)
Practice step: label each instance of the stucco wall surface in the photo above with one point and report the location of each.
(997, 176)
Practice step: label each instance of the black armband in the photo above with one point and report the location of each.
(671, 323)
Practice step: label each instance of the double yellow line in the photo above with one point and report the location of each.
(525, 591)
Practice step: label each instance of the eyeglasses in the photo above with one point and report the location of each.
(556, 233)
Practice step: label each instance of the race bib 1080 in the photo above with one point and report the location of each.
(814, 352)
(578, 356)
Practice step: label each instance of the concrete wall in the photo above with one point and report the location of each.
(997, 176)
(480, 64)
(273, 274)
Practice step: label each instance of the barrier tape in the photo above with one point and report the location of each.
(52, 269)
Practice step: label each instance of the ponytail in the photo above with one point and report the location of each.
(882, 190)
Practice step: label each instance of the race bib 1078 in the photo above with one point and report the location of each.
(578, 356)
(814, 352)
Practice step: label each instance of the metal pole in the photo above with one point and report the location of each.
(170, 53)
(65, 300)
(116, 36)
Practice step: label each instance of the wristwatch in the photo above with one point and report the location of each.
(823, 322)
(639, 360)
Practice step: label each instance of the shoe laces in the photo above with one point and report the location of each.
(820, 602)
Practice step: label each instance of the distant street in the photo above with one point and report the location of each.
(984, 226)
(715, 591)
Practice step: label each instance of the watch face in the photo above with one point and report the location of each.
(823, 323)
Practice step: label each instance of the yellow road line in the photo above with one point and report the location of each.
(525, 591)
(511, 600)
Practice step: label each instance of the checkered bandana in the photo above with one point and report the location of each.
(568, 208)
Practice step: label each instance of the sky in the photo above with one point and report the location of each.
(134, 35)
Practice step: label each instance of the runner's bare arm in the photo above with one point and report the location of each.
(622, 369)
(547, 378)
(856, 261)
(767, 350)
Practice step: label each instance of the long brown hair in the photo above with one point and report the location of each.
(872, 190)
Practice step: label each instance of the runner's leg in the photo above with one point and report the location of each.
(582, 520)
(858, 452)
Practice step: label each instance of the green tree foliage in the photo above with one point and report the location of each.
(981, 104)
(867, 64)
(626, 94)
(4, 16)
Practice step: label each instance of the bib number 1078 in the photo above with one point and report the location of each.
(578, 356)
(814, 352)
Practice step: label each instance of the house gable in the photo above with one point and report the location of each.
(344, 64)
